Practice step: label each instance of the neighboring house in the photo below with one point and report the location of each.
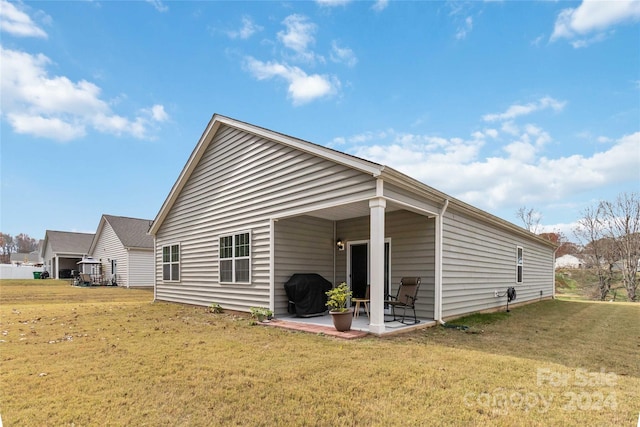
(62, 250)
(125, 250)
(252, 206)
(569, 261)
(32, 258)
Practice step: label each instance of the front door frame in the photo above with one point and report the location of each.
(387, 241)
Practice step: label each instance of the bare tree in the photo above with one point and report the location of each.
(7, 247)
(25, 243)
(623, 228)
(597, 249)
(530, 218)
(611, 233)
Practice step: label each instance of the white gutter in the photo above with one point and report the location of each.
(437, 304)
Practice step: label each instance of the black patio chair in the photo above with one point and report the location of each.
(405, 298)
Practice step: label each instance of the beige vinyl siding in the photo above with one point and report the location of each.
(240, 183)
(412, 251)
(302, 245)
(49, 262)
(479, 259)
(109, 247)
(140, 267)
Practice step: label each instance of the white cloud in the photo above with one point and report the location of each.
(55, 107)
(521, 175)
(510, 128)
(604, 139)
(158, 5)
(541, 137)
(298, 36)
(246, 31)
(517, 110)
(380, 5)
(536, 42)
(464, 29)
(44, 127)
(521, 151)
(332, 3)
(491, 132)
(303, 88)
(343, 55)
(594, 16)
(577, 44)
(17, 23)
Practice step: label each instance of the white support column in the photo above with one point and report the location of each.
(376, 265)
(437, 297)
(272, 264)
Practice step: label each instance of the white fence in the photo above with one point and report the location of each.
(8, 271)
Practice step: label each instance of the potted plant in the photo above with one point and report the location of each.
(260, 313)
(337, 302)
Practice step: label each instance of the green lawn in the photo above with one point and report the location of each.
(110, 356)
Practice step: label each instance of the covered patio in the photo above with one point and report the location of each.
(371, 245)
(359, 327)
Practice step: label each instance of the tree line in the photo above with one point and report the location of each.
(22, 243)
(608, 235)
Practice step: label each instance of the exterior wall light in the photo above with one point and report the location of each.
(340, 245)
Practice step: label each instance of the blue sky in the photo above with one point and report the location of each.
(500, 104)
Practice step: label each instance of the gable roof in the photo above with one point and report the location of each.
(212, 128)
(374, 169)
(67, 242)
(132, 232)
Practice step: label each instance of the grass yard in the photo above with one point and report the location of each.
(110, 356)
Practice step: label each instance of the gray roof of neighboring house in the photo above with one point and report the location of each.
(132, 232)
(32, 257)
(69, 243)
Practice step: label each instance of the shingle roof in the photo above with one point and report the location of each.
(69, 243)
(32, 257)
(132, 232)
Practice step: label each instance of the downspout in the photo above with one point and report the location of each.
(553, 272)
(155, 270)
(437, 309)
(128, 268)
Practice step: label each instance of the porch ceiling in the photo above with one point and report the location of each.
(351, 210)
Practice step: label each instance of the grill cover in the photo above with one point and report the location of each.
(307, 293)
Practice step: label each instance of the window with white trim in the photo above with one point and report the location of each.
(171, 263)
(519, 264)
(235, 258)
